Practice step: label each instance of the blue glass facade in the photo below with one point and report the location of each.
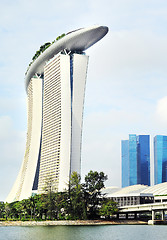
(160, 159)
(143, 143)
(125, 162)
(136, 160)
(132, 159)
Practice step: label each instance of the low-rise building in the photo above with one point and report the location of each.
(131, 195)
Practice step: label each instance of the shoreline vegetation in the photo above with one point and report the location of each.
(72, 223)
(80, 201)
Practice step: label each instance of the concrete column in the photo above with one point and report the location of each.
(162, 215)
(151, 222)
(133, 200)
(153, 215)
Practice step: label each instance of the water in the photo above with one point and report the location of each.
(113, 232)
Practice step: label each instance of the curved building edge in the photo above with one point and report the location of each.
(78, 40)
(23, 185)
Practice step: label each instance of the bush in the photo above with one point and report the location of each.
(61, 217)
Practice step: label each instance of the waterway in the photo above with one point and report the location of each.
(107, 232)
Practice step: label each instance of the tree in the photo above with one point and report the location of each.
(108, 208)
(77, 207)
(80, 201)
(94, 182)
(15, 209)
(7, 210)
(40, 208)
(61, 200)
(31, 204)
(50, 189)
(2, 209)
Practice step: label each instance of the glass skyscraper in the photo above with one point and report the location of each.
(160, 159)
(125, 162)
(136, 160)
(143, 144)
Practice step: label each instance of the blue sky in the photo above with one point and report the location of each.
(126, 88)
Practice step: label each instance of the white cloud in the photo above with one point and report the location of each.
(127, 53)
(161, 110)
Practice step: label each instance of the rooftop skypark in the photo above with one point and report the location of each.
(75, 41)
(42, 49)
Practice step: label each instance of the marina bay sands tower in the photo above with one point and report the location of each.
(55, 85)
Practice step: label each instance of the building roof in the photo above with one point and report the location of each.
(78, 40)
(136, 190)
(158, 189)
(110, 190)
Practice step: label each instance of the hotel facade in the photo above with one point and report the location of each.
(55, 85)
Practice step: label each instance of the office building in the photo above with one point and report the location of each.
(55, 85)
(136, 160)
(125, 162)
(160, 159)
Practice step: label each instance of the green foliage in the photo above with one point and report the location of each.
(94, 182)
(61, 36)
(80, 201)
(7, 211)
(77, 207)
(42, 49)
(2, 209)
(108, 208)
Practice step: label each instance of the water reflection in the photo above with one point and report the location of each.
(113, 232)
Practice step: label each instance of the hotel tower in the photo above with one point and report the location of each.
(55, 86)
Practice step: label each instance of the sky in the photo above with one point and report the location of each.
(126, 89)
